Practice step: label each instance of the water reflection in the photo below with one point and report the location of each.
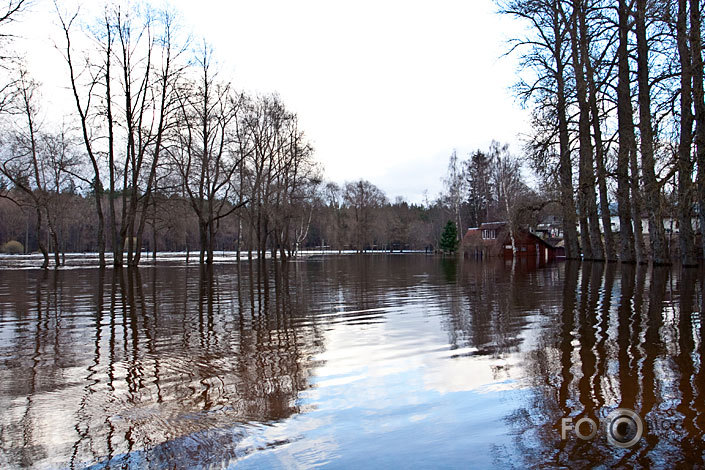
(349, 361)
(626, 338)
(98, 365)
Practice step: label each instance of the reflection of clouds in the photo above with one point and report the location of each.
(413, 373)
(477, 373)
(379, 387)
(300, 451)
(367, 358)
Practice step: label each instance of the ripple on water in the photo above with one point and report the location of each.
(346, 362)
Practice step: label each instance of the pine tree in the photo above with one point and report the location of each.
(449, 238)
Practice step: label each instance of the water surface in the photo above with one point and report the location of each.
(352, 361)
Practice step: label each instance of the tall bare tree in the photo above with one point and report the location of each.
(626, 138)
(685, 160)
(85, 79)
(547, 51)
(363, 199)
(696, 45)
(652, 188)
(21, 164)
(204, 154)
(589, 222)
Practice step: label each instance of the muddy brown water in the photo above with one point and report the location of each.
(349, 362)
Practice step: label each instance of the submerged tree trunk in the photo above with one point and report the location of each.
(204, 241)
(685, 163)
(652, 191)
(42, 247)
(211, 241)
(54, 241)
(570, 233)
(627, 141)
(696, 45)
(239, 233)
(589, 221)
(188, 248)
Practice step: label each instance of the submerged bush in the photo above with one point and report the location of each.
(13, 247)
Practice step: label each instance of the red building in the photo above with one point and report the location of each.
(493, 239)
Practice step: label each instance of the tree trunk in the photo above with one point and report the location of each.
(652, 192)
(250, 239)
(54, 241)
(101, 227)
(589, 221)
(570, 233)
(239, 233)
(637, 211)
(203, 236)
(188, 248)
(685, 163)
(118, 243)
(211, 241)
(154, 234)
(42, 247)
(605, 214)
(699, 104)
(627, 141)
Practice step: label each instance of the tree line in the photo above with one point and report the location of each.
(155, 128)
(618, 114)
(162, 152)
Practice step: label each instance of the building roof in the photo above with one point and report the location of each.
(492, 225)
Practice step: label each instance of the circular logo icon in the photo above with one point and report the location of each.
(624, 427)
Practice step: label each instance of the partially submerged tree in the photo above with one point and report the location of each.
(205, 154)
(362, 199)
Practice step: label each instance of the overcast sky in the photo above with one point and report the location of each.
(384, 89)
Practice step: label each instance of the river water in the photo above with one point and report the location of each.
(349, 362)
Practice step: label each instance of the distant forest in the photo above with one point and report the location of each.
(356, 216)
(162, 152)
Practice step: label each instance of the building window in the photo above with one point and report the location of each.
(489, 234)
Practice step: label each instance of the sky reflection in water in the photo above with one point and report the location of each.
(347, 361)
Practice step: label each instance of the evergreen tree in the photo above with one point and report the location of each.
(449, 238)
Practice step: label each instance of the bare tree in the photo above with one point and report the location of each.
(21, 164)
(205, 155)
(84, 109)
(696, 45)
(626, 139)
(547, 52)
(363, 198)
(589, 36)
(455, 187)
(60, 161)
(652, 189)
(506, 179)
(685, 161)
(589, 222)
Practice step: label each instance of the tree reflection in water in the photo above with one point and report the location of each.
(347, 358)
(627, 337)
(174, 364)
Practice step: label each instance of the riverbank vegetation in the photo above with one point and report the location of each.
(616, 92)
(163, 152)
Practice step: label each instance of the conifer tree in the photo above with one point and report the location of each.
(449, 238)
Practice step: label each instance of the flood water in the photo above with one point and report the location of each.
(351, 361)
